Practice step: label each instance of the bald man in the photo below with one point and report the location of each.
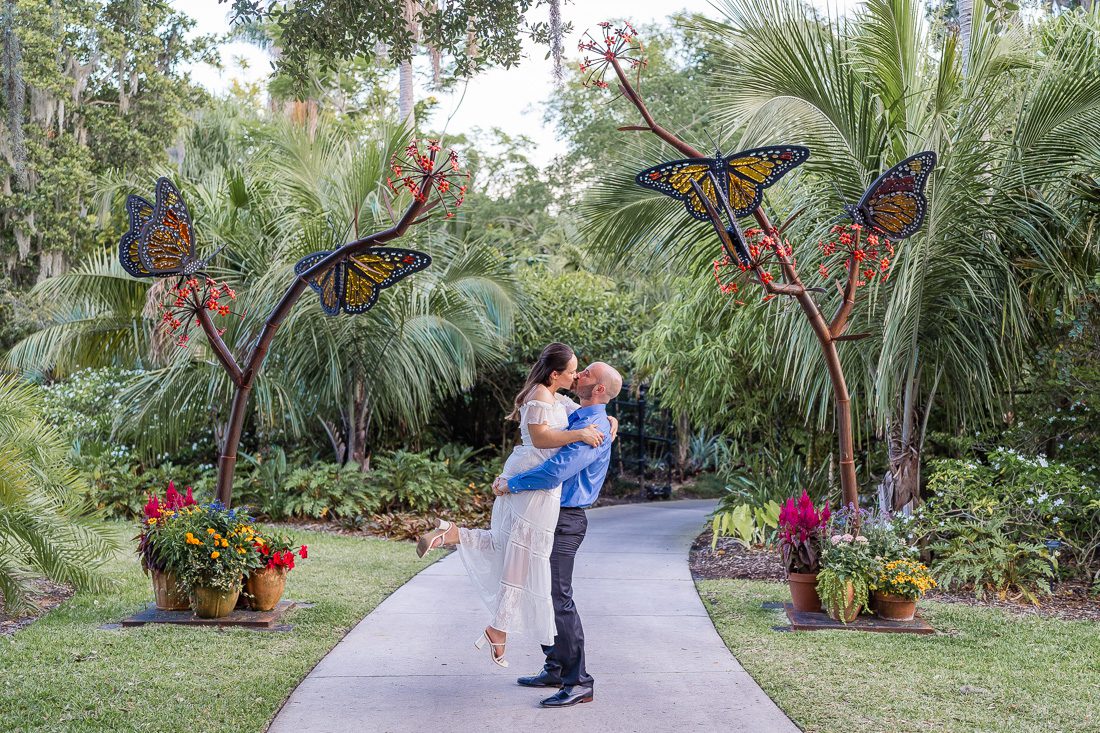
(581, 470)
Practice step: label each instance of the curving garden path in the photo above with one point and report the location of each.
(659, 664)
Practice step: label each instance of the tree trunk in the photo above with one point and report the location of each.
(405, 98)
(966, 23)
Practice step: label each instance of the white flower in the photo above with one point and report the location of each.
(1056, 520)
(848, 537)
(836, 539)
(861, 540)
(1059, 502)
(1030, 500)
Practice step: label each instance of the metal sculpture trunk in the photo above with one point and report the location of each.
(828, 332)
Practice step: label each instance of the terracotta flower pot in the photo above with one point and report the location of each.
(894, 608)
(213, 602)
(167, 592)
(850, 611)
(804, 591)
(265, 588)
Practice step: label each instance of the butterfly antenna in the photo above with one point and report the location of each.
(717, 149)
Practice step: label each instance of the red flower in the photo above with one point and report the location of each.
(303, 552)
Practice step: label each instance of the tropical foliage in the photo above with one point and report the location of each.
(46, 529)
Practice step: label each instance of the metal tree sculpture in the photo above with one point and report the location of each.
(160, 243)
(721, 189)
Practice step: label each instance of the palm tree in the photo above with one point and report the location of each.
(965, 298)
(45, 527)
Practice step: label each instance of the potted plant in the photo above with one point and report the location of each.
(155, 545)
(800, 531)
(265, 584)
(216, 552)
(844, 580)
(899, 584)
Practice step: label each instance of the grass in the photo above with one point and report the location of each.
(63, 673)
(984, 671)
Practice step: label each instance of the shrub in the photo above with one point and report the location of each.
(415, 482)
(323, 491)
(1024, 511)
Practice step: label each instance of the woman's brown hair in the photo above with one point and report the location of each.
(554, 358)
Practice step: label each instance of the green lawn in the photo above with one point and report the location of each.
(984, 671)
(64, 674)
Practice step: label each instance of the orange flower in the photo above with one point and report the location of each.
(215, 555)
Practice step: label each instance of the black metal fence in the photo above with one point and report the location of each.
(646, 443)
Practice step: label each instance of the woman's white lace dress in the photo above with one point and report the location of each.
(509, 563)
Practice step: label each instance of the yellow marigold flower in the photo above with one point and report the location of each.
(225, 543)
(240, 551)
(152, 520)
(209, 530)
(215, 555)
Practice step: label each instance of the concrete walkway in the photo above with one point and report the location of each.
(659, 665)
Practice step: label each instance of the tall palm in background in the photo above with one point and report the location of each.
(272, 193)
(1005, 229)
(45, 528)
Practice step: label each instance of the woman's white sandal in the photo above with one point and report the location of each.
(427, 541)
(483, 640)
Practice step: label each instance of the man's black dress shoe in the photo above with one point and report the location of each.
(542, 679)
(567, 696)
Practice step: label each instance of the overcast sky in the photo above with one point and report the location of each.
(511, 99)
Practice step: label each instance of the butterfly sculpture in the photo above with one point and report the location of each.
(741, 178)
(894, 206)
(353, 283)
(160, 241)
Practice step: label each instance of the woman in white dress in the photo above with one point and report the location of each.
(509, 563)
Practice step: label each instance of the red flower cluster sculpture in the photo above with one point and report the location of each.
(187, 299)
(870, 253)
(415, 169)
(619, 44)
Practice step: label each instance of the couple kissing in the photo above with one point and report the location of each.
(522, 566)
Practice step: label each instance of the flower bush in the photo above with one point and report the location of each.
(800, 533)
(278, 551)
(211, 546)
(906, 578)
(155, 537)
(845, 559)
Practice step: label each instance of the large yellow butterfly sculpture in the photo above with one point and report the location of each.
(743, 176)
(353, 283)
(894, 206)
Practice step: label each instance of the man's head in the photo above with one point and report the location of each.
(598, 383)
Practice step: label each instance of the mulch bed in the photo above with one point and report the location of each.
(1070, 601)
(46, 596)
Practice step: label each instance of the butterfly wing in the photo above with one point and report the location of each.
(674, 179)
(751, 171)
(329, 285)
(166, 245)
(375, 269)
(138, 211)
(894, 205)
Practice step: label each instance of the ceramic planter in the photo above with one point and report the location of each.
(265, 588)
(894, 608)
(850, 612)
(167, 592)
(804, 591)
(213, 602)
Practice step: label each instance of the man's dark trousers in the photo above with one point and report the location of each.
(565, 659)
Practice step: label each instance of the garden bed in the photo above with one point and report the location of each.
(45, 595)
(1069, 601)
